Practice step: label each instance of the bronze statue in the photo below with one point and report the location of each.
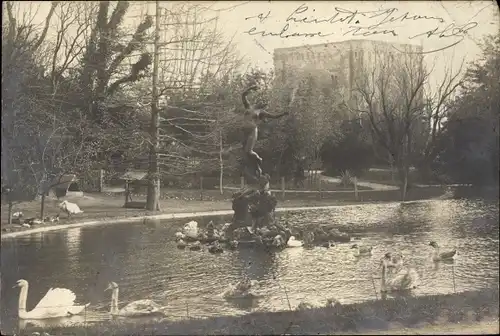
(252, 118)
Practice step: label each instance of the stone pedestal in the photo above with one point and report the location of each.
(253, 206)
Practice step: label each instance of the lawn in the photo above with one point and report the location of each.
(383, 176)
(325, 186)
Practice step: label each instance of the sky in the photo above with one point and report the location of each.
(457, 27)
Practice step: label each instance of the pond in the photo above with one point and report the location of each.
(143, 259)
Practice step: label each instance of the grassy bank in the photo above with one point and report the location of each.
(439, 312)
(98, 206)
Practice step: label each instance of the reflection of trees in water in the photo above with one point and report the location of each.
(411, 219)
(77, 320)
(465, 218)
(256, 263)
(73, 241)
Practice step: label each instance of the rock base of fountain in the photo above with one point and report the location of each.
(254, 217)
(254, 224)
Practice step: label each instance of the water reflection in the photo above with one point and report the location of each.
(143, 259)
(73, 240)
(77, 320)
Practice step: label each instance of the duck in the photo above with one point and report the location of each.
(70, 208)
(17, 214)
(337, 236)
(264, 231)
(362, 250)
(292, 242)
(133, 309)
(26, 225)
(392, 262)
(305, 306)
(57, 302)
(327, 244)
(233, 244)
(17, 218)
(332, 302)
(404, 279)
(224, 227)
(241, 290)
(308, 238)
(215, 248)
(211, 233)
(439, 256)
(179, 236)
(33, 221)
(181, 244)
(278, 241)
(196, 246)
(52, 219)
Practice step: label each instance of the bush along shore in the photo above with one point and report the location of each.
(106, 208)
(383, 315)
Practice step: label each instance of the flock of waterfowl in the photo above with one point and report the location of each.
(395, 275)
(60, 302)
(274, 236)
(65, 206)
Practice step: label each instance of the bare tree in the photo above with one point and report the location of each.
(311, 97)
(194, 53)
(392, 99)
(438, 104)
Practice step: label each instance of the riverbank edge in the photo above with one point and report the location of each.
(101, 216)
(163, 216)
(382, 315)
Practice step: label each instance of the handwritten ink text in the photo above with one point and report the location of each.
(282, 34)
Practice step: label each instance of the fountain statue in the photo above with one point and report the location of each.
(254, 205)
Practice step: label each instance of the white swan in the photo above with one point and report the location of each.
(70, 208)
(292, 242)
(58, 302)
(362, 250)
(405, 279)
(190, 230)
(133, 309)
(438, 256)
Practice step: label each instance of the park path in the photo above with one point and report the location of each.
(372, 185)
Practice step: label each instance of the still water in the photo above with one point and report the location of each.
(143, 259)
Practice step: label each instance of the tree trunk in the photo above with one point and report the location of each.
(101, 180)
(42, 207)
(221, 165)
(391, 164)
(10, 212)
(405, 185)
(152, 202)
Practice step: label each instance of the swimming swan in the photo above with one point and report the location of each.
(438, 256)
(133, 309)
(241, 290)
(190, 230)
(292, 242)
(404, 279)
(58, 302)
(392, 262)
(362, 250)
